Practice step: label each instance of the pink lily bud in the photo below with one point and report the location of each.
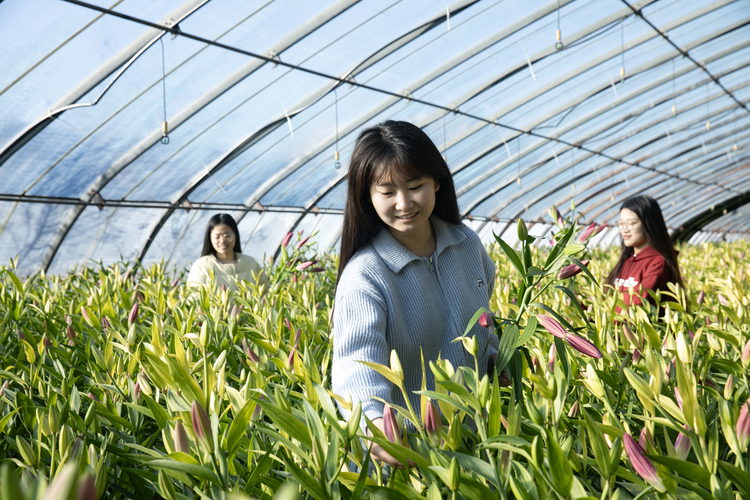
(85, 314)
(236, 311)
(646, 440)
(629, 335)
(202, 427)
(290, 358)
(573, 413)
(3, 388)
(583, 346)
(181, 442)
(68, 320)
(701, 298)
(691, 334)
(21, 335)
(71, 333)
(133, 316)
(601, 228)
(87, 488)
(707, 382)
(105, 324)
(572, 270)
(504, 421)
(551, 363)
(552, 326)
(392, 432)
(286, 239)
(92, 396)
(90, 301)
(297, 337)
(317, 269)
(678, 397)
(682, 445)
(723, 301)
(746, 354)
(743, 426)
(256, 411)
(433, 425)
(249, 351)
(223, 287)
(636, 356)
(137, 392)
(294, 278)
(641, 464)
(586, 233)
(485, 319)
(46, 341)
(175, 282)
(729, 387)
(288, 324)
(708, 321)
(304, 265)
(535, 363)
(302, 242)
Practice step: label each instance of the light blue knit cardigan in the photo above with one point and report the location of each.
(388, 298)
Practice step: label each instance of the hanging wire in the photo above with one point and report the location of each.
(164, 126)
(674, 92)
(559, 44)
(622, 51)
(518, 154)
(336, 162)
(734, 119)
(708, 107)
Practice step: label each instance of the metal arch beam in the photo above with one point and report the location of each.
(405, 93)
(121, 60)
(577, 101)
(309, 100)
(732, 222)
(613, 142)
(182, 116)
(540, 197)
(577, 36)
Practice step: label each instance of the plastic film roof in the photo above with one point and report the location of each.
(646, 97)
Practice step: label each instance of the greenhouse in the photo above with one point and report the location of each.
(126, 126)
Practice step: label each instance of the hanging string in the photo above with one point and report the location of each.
(164, 126)
(674, 92)
(708, 108)
(734, 119)
(559, 44)
(622, 51)
(336, 162)
(518, 154)
(445, 143)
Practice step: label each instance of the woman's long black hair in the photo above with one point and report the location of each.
(217, 219)
(391, 149)
(648, 211)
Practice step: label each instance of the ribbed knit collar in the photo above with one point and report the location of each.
(646, 253)
(397, 257)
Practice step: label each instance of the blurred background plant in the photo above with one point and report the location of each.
(117, 383)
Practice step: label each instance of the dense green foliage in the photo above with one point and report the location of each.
(119, 385)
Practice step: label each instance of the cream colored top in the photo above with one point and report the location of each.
(243, 268)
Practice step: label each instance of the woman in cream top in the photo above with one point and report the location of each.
(222, 256)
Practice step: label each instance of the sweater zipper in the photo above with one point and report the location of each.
(432, 266)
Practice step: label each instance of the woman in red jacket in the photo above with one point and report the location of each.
(648, 260)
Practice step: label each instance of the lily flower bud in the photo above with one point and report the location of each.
(646, 440)
(683, 349)
(746, 354)
(304, 265)
(523, 233)
(701, 298)
(552, 326)
(249, 351)
(586, 233)
(743, 426)
(454, 475)
(573, 412)
(723, 300)
(87, 488)
(583, 346)
(729, 387)
(396, 365)
(286, 239)
(302, 242)
(105, 324)
(572, 270)
(470, 344)
(181, 442)
(392, 432)
(202, 427)
(551, 363)
(593, 382)
(354, 420)
(682, 446)
(641, 464)
(678, 397)
(628, 334)
(290, 358)
(433, 425)
(636, 356)
(485, 319)
(133, 316)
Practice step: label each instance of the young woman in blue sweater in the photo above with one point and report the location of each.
(411, 275)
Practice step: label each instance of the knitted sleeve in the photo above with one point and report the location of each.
(655, 277)
(359, 334)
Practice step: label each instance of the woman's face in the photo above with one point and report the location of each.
(631, 229)
(404, 205)
(222, 238)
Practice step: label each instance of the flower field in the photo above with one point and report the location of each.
(119, 384)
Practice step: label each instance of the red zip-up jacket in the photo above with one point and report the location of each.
(646, 270)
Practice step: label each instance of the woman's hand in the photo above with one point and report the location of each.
(378, 453)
